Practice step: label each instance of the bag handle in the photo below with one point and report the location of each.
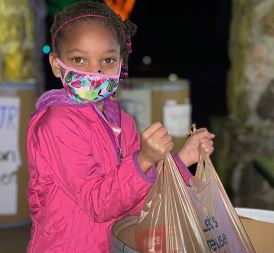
(201, 179)
(200, 174)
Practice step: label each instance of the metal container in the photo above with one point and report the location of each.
(122, 236)
(256, 223)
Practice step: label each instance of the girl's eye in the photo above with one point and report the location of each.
(109, 61)
(78, 60)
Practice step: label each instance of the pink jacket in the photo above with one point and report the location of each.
(79, 184)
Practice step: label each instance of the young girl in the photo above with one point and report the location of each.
(87, 166)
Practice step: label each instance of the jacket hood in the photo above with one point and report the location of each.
(52, 98)
(58, 97)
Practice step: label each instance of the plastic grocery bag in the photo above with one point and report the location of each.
(194, 218)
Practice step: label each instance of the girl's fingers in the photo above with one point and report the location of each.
(160, 144)
(169, 146)
(165, 148)
(165, 144)
(203, 133)
(166, 139)
(208, 148)
(207, 142)
(201, 130)
(161, 132)
(148, 132)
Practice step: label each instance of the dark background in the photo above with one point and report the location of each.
(189, 38)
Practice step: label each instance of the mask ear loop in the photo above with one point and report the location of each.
(63, 70)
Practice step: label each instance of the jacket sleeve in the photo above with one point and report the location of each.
(62, 147)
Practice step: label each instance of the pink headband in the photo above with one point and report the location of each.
(83, 16)
(71, 20)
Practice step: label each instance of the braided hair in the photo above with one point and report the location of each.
(87, 11)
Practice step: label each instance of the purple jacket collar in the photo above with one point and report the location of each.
(58, 97)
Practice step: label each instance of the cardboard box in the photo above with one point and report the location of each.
(259, 225)
(26, 92)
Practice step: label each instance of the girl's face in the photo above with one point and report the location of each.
(89, 47)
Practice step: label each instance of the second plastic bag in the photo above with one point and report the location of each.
(193, 218)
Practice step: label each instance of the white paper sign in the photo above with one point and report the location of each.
(138, 104)
(177, 119)
(9, 153)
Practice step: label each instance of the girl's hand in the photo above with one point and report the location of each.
(189, 153)
(156, 143)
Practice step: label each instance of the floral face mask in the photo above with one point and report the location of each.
(88, 87)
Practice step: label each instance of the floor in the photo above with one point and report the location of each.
(14, 240)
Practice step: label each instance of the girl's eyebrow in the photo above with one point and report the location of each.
(112, 51)
(76, 50)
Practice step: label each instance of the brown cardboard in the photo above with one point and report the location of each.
(27, 94)
(260, 233)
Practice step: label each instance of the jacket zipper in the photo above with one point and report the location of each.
(113, 139)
